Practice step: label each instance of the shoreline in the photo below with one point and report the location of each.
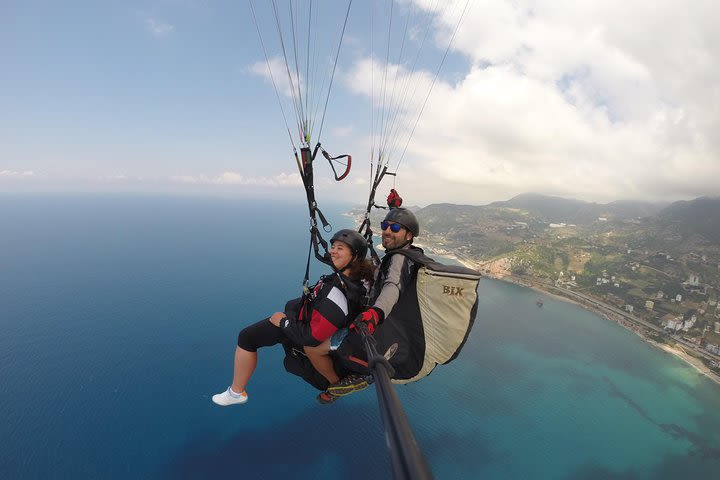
(604, 311)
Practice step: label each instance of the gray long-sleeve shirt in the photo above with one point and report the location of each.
(389, 288)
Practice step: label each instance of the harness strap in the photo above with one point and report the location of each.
(332, 159)
(305, 167)
(365, 227)
(306, 172)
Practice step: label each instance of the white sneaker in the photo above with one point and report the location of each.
(228, 397)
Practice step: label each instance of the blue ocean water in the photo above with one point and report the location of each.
(118, 320)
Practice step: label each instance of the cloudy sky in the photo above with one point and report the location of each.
(595, 100)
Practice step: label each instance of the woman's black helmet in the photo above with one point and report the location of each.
(355, 241)
(404, 217)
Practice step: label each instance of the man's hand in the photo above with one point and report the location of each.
(370, 318)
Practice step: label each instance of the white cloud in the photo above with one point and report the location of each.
(115, 178)
(158, 27)
(234, 178)
(597, 100)
(16, 174)
(189, 179)
(342, 131)
(274, 70)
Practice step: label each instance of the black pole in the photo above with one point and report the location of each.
(408, 461)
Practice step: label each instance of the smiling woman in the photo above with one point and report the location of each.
(307, 321)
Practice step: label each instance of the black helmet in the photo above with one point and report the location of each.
(404, 217)
(355, 241)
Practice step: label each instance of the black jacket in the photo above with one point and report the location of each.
(335, 302)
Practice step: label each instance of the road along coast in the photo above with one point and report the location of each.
(650, 333)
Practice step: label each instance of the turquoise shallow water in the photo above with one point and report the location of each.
(119, 317)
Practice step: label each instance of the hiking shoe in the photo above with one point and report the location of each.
(348, 385)
(228, 397)
(325, 398)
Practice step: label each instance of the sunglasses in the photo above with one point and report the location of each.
(394, 227)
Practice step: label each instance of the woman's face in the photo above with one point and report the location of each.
(340, 255)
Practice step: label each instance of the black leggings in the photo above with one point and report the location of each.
(260, 334)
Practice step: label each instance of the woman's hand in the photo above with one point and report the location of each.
(276, 317)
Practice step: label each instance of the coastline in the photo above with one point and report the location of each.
(602, 310)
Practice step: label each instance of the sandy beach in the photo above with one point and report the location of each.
(604, 311)
(694, 362)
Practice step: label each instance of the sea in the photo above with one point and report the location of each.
(118, 321)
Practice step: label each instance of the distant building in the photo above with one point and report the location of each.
(674, 325)
(717, 327)
(678, 298)
(688, 324)
(630, 308)
(649, 305)
(693, 280)
(660, 295)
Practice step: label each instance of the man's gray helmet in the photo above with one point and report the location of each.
(404, 217)
(357, 242)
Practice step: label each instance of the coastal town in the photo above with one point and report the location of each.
(657, 274)
(689, 330)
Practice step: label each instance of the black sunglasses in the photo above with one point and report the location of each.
(394, 227)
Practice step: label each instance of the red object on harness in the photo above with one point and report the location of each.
(394, 200)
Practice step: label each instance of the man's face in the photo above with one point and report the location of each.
(391, 239)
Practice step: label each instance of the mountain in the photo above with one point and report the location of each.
(499, 226)
(531, 208)
(563, 210)
(552, 209)
(634, 209)
(699, 217)
(447, 217)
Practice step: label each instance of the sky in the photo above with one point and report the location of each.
(594, 100)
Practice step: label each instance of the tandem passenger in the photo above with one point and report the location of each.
(309, 321)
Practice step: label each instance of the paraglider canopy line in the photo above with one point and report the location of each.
(437, 74)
